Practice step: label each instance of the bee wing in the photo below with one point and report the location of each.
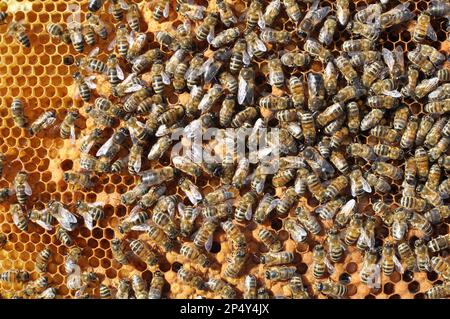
(44, 225)
(366, 185)
(165, 78)
(399, 57)
(249, 212)
(111, 45)
(124, 5)
(246, 58)
(398, 264)
(242, 90)
(194, 194)
(330, 266)
(66, 219)
(133, 88)
(119, 71)
(28, 190)
(431, 33)
(137, 164)
(15, 217)
(347, 209)
(89, 82)
(105, 147)
(260, 45)
(72, 134)
(261, 20)
(74, 282)
(141, 227)
(388, 58)
(88, 221)
(393, 93)
(166, 10)
(94, 52)
(210, 36)
(162, 130)
(299, 234)
(208, 243)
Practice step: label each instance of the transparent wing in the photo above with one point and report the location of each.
(388, 58)
(431, 33)
(298, 234)
(165, 78)
(330, 266)
(94, 52)
(194, 194)
(393, 93)
(347, 209)
(105, 147)
(208, 243)
(249, 212)
(88, 221)
(44, 225)
(72, 134)
(398, 264)
(119, 71)
(133, 88)
(242, 90)
(90, 82)
(166, 10)
(28, 190)
(366, 185)
(211, 35)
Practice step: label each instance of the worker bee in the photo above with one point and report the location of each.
(18, 114)
(179, 82)
(280, 273)
(42, 260)
(320, 263)
(335, 247)
(190, 278)
(295, 59)
(265, 207)
(113, 145)
(36, 287)
(339, 161)
(439, 243)
(308, 220)
(164, 221)
(367, 236)
(409, 135)
(401, 117)
(342, 11)
(426, 86)
(435, 133)
(386, 151)
(380, 184)
(315, 187)
(330, 113)
(210, 98)
(84, 85)
(191, 190)
(295, 230)
(353, 231)
(116, 8)
(123, 289)
(419, 222)
(317, 50)
(235, 234)
(348, 93)
(346, 68)
(270, 240)
(161, 9)
(276, 258)
(118, 252)
(441, 291)
(441, 266)
(156, 285)
(139, 287)
(287, 201)
(412, 76)
(421, 159)
(18, 31)
(244, 206)
(143, 252)
(97, 25)
(423, 28)
(187, 166)
(21, 187)
(396, 15)
(132, 17)
(328, 210)
(191, 252)
(67, 127)
(336, 186)
(188, 214)
(15, 275)
(42, 217)
(250, 284)
(115, 73)
(407, 256)
(361, 150)
(63, 236)
(330, 79)
(357, 45)
(412, 202)
(370, 271)
(192, 11)
(297, 288)
(387, 170)
(155, 177)
(75, 30)
(135, 158)
(385, 133)
(327, 31)
(89, 140)
(275, 36)
(225, 37)
(205, 30)
(90, 212)
(423, 258)
(42, 122)
(389, 260)
(136, 45)
(312, 18)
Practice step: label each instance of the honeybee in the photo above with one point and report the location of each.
(308, 127)
(441, 266)
(155, 177)
(434, 135)
(339, 161)
(401, 117)
(342, 11)
(361, 150)
(36, 287)
(420, 61)
(75, 30)
(123, 289)
(380, 184)
(423, 28)
(222, 288)
(295, 59)
(335, 187)
(250, 285)
(396, 15)
(308, 220)
(387, 170)
(84, 85)
(286, 202)
(320, 263)
(347, 70)
(353, 231)
(90, 212)
(423, 257)
(312, 18)
(426, 86)
(412, 202)
(192, 11)
(386, 151)
(292, 10)
(42, 260)
(328, 210)
(280, 273)
(407, 256)
(225, 37)
(357, 45)
(265, 207)
(42, 122)
(113, 145)
(139, 287)
(17, 111)
(156, 285)
(276, 258)
(367, 237)
(348, 93)
(315, 187)
(205, 31)
(15, 275)
(439, 243)
(135, 158)
(67, 127)
(190, 278)
(327, 31)
(143, 252)
(330, 79)
(389, 260)
(295, 230)
(65, 218)
(317, 50)
(191, 252)
(370, 271)
(63, 236)
(438, 291)
(412, 76)
(42, 217)
(419, 222)
(21, 187)
(203, 238)
(270, 240)
(18, 31)
(187, 217)
(118, 252)
(269, 35)
(335, 246)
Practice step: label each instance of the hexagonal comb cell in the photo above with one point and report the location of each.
(40, 77)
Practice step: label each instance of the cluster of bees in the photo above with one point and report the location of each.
(233, 68)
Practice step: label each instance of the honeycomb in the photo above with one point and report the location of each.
(38, 76)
